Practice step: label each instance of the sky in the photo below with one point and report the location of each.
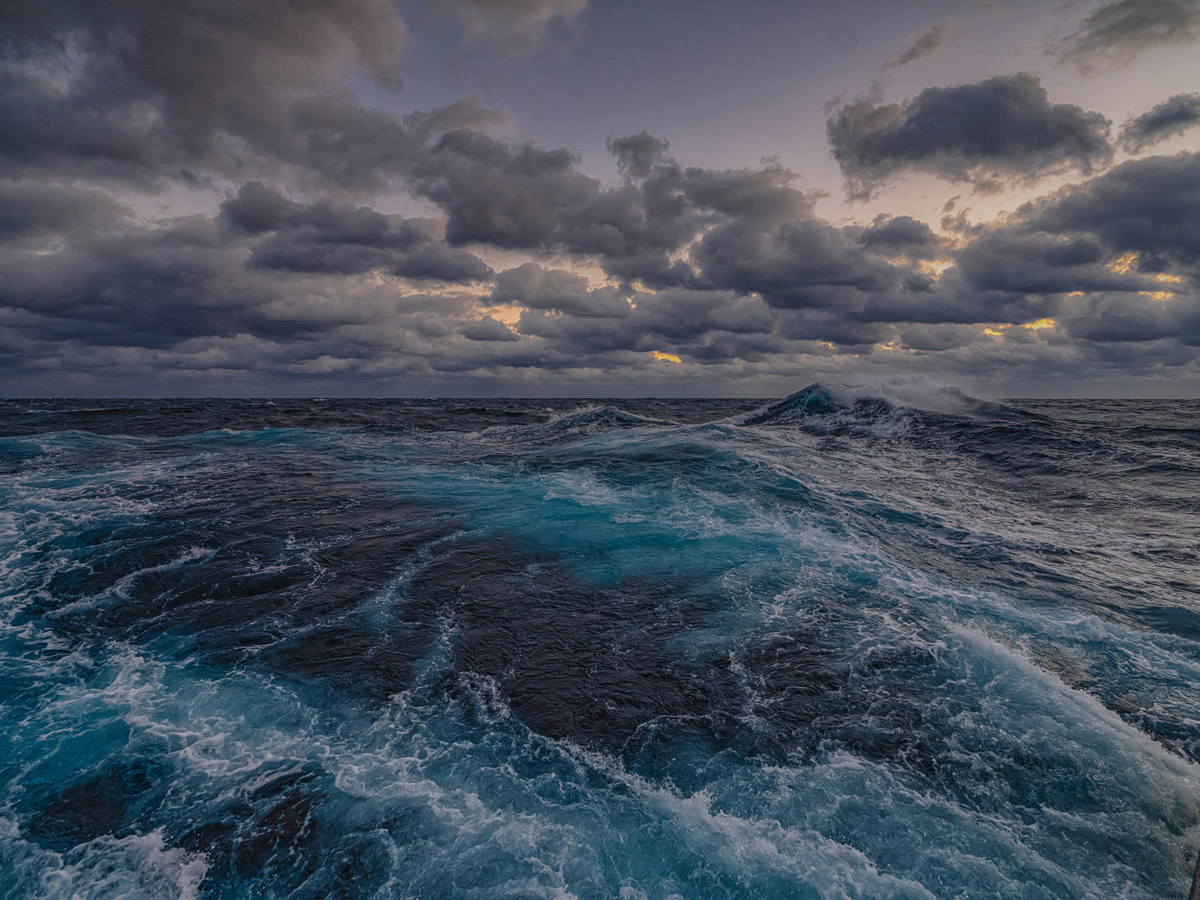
(598, 198)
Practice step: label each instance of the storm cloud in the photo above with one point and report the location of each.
(1004, 129)
(1147, 206)
(217, 198)
(142, 90)
(336, 238)
(144, 93)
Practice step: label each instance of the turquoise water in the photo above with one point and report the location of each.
(857, 644)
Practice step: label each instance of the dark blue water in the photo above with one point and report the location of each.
(858, 644)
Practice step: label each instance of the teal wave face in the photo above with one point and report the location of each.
(885, 643)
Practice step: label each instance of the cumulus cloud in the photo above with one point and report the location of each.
(1122, 30)
(533, 287)
(1147, 206)
(499, 194)
(1002, 128)
(143, 93)
(1116, 258)
(638, 154)
(903, 235)
(305, 289)
(337, 238)
(143, 90)
(808, 263)
(1172, 117)
(1034, 262)
(1140, 319)
(525, 197)
(298, 278)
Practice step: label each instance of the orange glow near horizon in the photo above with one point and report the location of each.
(666, 357)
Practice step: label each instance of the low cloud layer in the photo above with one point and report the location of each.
(299, 290)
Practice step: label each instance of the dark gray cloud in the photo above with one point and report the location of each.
(1020, 261)
(807, 263)
(852, 333)
(524, 197)
(337, 238)
(764, 197)
(143, 93)
(1139, 319)
(638, 227)
(142, 286)
(1095, 256)
(495, 193)
(1114, 259)
(1121, 30)
(533, 287)
(638, 154)
(709, 326)
(1148, 206)
(1172, 117)
(489, 329)
(1004, 128)
(901, 235)
(143, 90)
(436, 261)
(323, 288)
(34, 212)
(927, 43)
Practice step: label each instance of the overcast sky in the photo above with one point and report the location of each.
(598, 197)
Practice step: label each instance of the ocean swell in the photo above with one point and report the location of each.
(863, 642)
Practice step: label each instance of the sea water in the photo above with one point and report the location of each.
(884, 643)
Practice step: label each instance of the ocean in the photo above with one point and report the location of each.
(887, 642)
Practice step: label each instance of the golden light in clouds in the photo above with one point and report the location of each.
(1123, 263)
(1169, 279)
(992, 332)
(666, 357)
(509, 315)
(934, 267)
(1158, 295)
(1040, 324)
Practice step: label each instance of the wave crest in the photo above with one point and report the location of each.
(864, 402)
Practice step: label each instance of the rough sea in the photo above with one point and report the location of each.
(860, 643)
